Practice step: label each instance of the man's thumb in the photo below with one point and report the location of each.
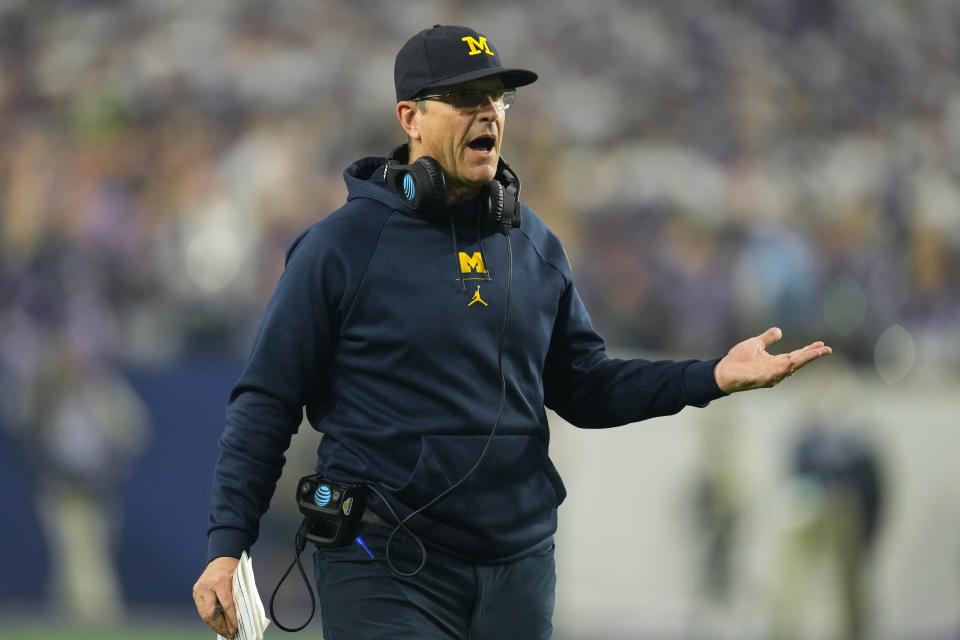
(770, 336)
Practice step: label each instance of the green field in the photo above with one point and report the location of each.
(129, 633)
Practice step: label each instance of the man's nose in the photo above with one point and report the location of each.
(488, 110)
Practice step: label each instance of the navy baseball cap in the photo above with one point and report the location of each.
(446, 55)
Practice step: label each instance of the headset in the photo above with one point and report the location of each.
(423, 187)
(333, 511)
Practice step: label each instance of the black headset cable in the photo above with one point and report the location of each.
(401, 524)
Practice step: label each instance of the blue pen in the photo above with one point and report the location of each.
(363, 545)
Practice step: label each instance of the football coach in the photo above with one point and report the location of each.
(425, 326)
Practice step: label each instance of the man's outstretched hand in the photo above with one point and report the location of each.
(749, 366)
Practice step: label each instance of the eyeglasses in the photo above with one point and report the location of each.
(471, 100)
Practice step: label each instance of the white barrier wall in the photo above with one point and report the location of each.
(627, 545)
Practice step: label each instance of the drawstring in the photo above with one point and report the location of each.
(456, 255)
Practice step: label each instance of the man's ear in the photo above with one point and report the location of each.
(409, 115)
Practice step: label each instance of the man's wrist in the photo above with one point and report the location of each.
(227, 542)
(700, 382)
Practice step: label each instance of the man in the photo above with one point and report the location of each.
(376, 327)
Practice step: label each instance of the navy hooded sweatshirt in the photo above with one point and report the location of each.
(371, 328)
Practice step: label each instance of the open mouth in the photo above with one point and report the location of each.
(483, 143)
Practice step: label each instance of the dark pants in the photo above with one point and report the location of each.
(449, 599)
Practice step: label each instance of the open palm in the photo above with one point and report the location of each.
(748, 365)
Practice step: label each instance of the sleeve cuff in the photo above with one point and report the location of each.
(699, 383)
(227, 542)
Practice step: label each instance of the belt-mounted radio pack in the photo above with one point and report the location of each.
(331, 510)
(331, 515)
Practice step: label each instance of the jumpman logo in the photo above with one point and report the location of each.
(477, 298)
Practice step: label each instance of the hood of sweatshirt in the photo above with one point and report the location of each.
(364, 179)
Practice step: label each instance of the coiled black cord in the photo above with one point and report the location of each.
(300, 542)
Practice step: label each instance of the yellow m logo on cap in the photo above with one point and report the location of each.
(477, 46)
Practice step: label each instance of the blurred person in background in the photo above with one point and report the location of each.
(89, 428)
(81, 426)
(834, 501)
(70, 410)
(392, 324)
(717, 508)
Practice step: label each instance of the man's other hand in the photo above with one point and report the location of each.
(213, 595)
(749, 366)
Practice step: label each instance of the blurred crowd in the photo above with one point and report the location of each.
(791, 162)
(713, 167)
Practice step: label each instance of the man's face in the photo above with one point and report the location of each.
(466, 144)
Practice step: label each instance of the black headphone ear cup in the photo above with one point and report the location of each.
(502, 207)
(422, 184)
(509, 181)
(494, 213)
(395, 174)
(431, 183)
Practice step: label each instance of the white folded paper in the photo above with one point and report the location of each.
(251, 619)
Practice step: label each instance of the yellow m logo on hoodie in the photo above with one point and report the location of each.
(472, 263)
